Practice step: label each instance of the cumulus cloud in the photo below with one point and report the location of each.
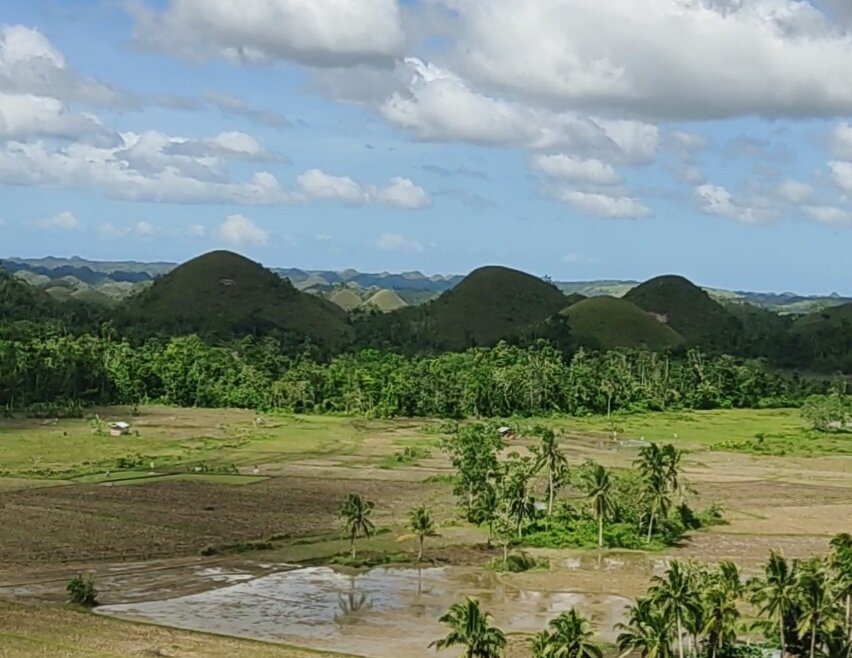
(716, 200)
(840, 141)
(794, 191)
(25, 116)
(401, 193)
(29, 64)
(603, 205)
(315, 33)
(438, 105)
(234, 145)
(768, 57)
(841, 174)
(576, 170)
(240, 231)
(397, 242)
(65, 221)
(831, 215)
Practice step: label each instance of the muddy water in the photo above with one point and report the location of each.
(383, 612)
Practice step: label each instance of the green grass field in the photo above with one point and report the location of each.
(737, 430)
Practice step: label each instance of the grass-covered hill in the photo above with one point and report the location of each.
(687, 309)
(609, 322)
(385, 301)
(346, 299)
(823, 340)
(489, 305)
(222, 294)
(21, 302)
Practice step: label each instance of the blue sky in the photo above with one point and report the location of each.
(570, 138)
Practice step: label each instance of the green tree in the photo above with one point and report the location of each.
(652, 465)
(421, 524)
(472, 629)
(840, 561)
(719, 615)
(598, 487)
(774, 593)
(647, 631)
(676, 597)
(355, 513)
(550, 458)
(567, 636)
(815, 601)
(486, 505)
(516, 494)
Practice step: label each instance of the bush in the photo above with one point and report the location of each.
(517, 563)
(81, 591)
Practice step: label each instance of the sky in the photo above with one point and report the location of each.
(576, 139)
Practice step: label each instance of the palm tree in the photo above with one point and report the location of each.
(815, 599)
(652, 465)
(671, 457)
(569, 636)
(676, 598)
(720, 618)
(516, 497)
(421, 524)
(647, 631)
(840, 560)
(472, 629)
(599, 491)
(549, 456)
(774, 593)
(356, 517)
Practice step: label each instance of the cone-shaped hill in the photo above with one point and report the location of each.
(21, 302)
(224, 295)
(608, 322)
(385, 301)
(345, 299)
(688, 310)
(488, 305)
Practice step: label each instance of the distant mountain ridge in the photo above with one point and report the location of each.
(412, 287)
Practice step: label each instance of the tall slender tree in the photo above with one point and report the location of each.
(676, 597)
(774, 593)
(422, 526)
(550, 458)
(598, 487)
(647, 631)
(815, 601)
(355, 513)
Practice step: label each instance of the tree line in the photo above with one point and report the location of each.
(39, 367)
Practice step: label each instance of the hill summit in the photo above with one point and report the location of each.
(687, 309)
(223, 294)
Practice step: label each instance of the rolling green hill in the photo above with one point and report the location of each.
(489, 305)
(609, 322)
(345, 299)
(687, 309)
(224, 295)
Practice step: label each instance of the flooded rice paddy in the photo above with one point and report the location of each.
(381, 612)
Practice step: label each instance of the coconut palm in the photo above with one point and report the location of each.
(840, 560)
(720, 617)
(598, 487)
(648, 631)
(355, 513)
(815, 601)
(551, 458)
(486, 506)
(568, 636)
(421, 524)
(472, 629)
(774, 593)
(652, 465)
(671, 457)
(676, 598)
(516, 497)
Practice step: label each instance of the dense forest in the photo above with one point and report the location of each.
(223, 331)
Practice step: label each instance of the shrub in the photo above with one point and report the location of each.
(517, 563)
(81, 591)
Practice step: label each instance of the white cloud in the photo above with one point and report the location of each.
(439, 106)
(576, 170)
(603, 205)
(716, 200)
(24, 116)
(316, 33)
(840, 141)
(238, 231)
(794, 191)
(674, 59)
(29, 64)
(401, 193)
(65, 221)
(234, 145)
(145, 229)
(830, 215)
(841, 174)
(397, 242)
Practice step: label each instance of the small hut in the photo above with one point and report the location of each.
(119, 428)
